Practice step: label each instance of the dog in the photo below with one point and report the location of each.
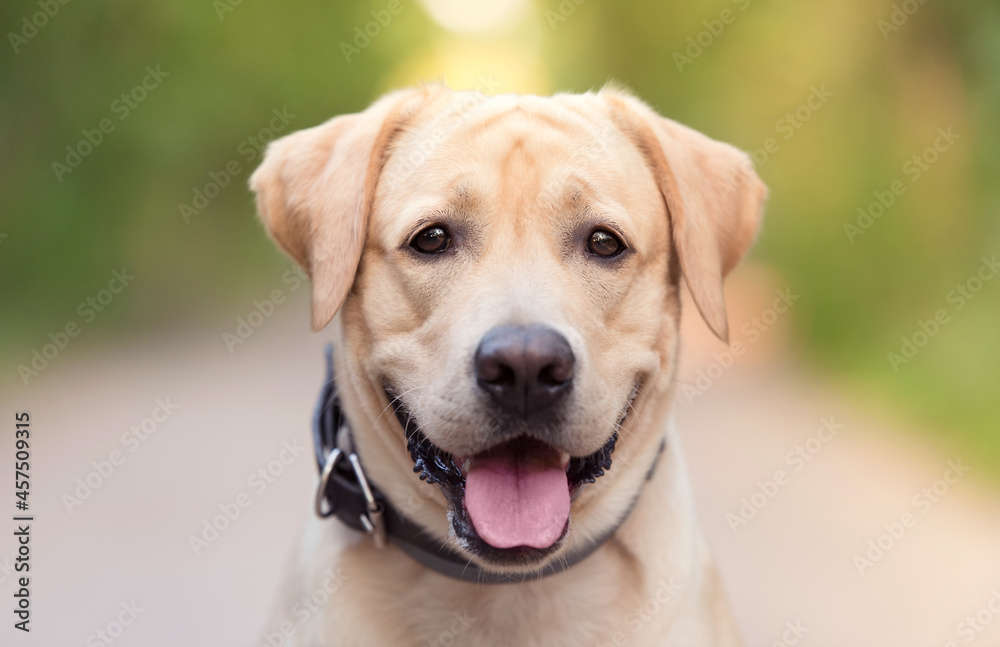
(504, 277)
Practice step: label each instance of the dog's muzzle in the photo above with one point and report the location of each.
(345, 492)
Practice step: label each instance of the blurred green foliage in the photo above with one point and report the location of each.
(733, 69)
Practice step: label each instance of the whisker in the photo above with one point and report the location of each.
(397, 398)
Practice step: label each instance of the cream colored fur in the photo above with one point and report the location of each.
(521, 177)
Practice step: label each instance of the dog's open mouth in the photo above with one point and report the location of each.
(510, 503)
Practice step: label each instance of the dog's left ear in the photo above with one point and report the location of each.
(714, 199)
(315, 189)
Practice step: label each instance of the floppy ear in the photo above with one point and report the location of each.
(315, 189)
(714, 200)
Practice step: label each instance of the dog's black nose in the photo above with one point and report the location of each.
(524, 368)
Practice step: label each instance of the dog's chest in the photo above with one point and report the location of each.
(592, 604)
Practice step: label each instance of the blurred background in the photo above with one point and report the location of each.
(128, 132)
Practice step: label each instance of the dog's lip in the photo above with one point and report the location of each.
(465, 462)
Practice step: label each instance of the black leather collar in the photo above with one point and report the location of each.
(344, 491)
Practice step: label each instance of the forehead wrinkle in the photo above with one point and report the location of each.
(518, 165)
(577, 196)
(461, 203)
(518, 172)
(400, 219)
(487, 121)
(465, 206)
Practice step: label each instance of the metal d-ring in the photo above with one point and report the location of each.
(374, 519)
(331, 462)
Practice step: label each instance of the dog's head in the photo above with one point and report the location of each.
(506, 271)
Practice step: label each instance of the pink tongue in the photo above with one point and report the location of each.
(516, 500)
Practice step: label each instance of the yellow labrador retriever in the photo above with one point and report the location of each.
(505, 275)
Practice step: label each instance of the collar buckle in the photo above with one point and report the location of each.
(373, 518)
(329, 465)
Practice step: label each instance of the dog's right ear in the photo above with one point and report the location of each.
(315, 189)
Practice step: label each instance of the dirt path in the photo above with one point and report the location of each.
(792, 562)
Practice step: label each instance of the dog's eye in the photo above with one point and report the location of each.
(604, 243)
(432, 240)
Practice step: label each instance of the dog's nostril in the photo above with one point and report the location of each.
(524, 368)
(499, 376)
(556, 374)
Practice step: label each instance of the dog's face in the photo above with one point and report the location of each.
(506, 271)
